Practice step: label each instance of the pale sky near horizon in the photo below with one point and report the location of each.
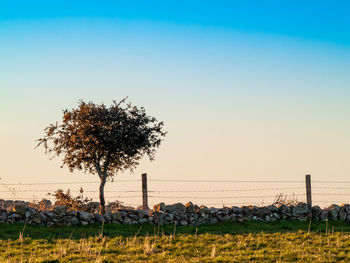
(245, 92)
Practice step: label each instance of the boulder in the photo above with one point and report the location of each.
(60, 210)
(236, 210)
(190, 207)
(74, 221)
(84, 223)
(183, 223)
(159, 207)
(117, 216)
(140, 213)
(37, 220)
(19, 209)
(99, 218)
(85, 216)
(143, 220)
(262, 211)
(342, 214)
(323, 215)
(127, 221)
(108, 216)
(273, 208)
(158, 218)
(177, 209)
(316, 212)
(333, 211)
(213, 220)
(346, 208)
(14, 216)
(300, 210)
(284, 209)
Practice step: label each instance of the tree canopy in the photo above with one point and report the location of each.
(103, 140)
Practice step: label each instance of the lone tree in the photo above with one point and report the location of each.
(103, 140)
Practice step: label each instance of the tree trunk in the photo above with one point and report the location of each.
(102, 195)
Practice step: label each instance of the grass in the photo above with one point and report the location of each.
(222, 242)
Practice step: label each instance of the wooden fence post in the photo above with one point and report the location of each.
(144, 192)
(308, 191)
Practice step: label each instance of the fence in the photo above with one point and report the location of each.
(206, 192)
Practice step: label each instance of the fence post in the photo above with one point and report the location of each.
(308, 190)
(144, 192)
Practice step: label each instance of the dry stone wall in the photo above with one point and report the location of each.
(162, 214)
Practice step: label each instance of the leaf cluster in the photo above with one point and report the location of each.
(103, 140)
(78, 202)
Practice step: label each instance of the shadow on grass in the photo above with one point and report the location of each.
(12, 231)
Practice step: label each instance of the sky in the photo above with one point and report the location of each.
(256, 91)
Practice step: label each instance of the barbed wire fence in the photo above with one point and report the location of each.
(201, 192)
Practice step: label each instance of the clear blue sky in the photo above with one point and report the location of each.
(247, 89)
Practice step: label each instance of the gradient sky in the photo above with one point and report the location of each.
(247, 92)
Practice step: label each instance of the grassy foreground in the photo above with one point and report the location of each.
(224, 242)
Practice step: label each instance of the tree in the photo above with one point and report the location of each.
(103, 140)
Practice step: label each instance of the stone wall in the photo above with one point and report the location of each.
(162, 214)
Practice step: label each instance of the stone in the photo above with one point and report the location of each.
(169, 217)
(263, 211)
(37, 220)
(178, 209)
(117, 216)
(323, 215)
(276, 215)
(240, 219)
(204, 209)
(3, 216)
(132, 216)
(14, 216)
(213, 220)
(127, 221)
(236, 210)
(49, 214)
(44, 204)
(43, 217)
(190, 207)
(93, 206)
(284, 209)
(183, 223)
(19, 209)
(158, 218)
(85, 216)
(84, 223)
(143, 220)
(60, 210)
(74, 221)
(72, 213)
(273, 208)
(342, 214)
(27, 214)
(316, 211)
(159, 207)
(108, 216)
(99, 218)
(333, 212)
(140, 213)
(300, 210)
(346, 208)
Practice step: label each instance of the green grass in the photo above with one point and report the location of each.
(223, 242)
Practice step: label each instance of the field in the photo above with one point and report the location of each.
(223, 242)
